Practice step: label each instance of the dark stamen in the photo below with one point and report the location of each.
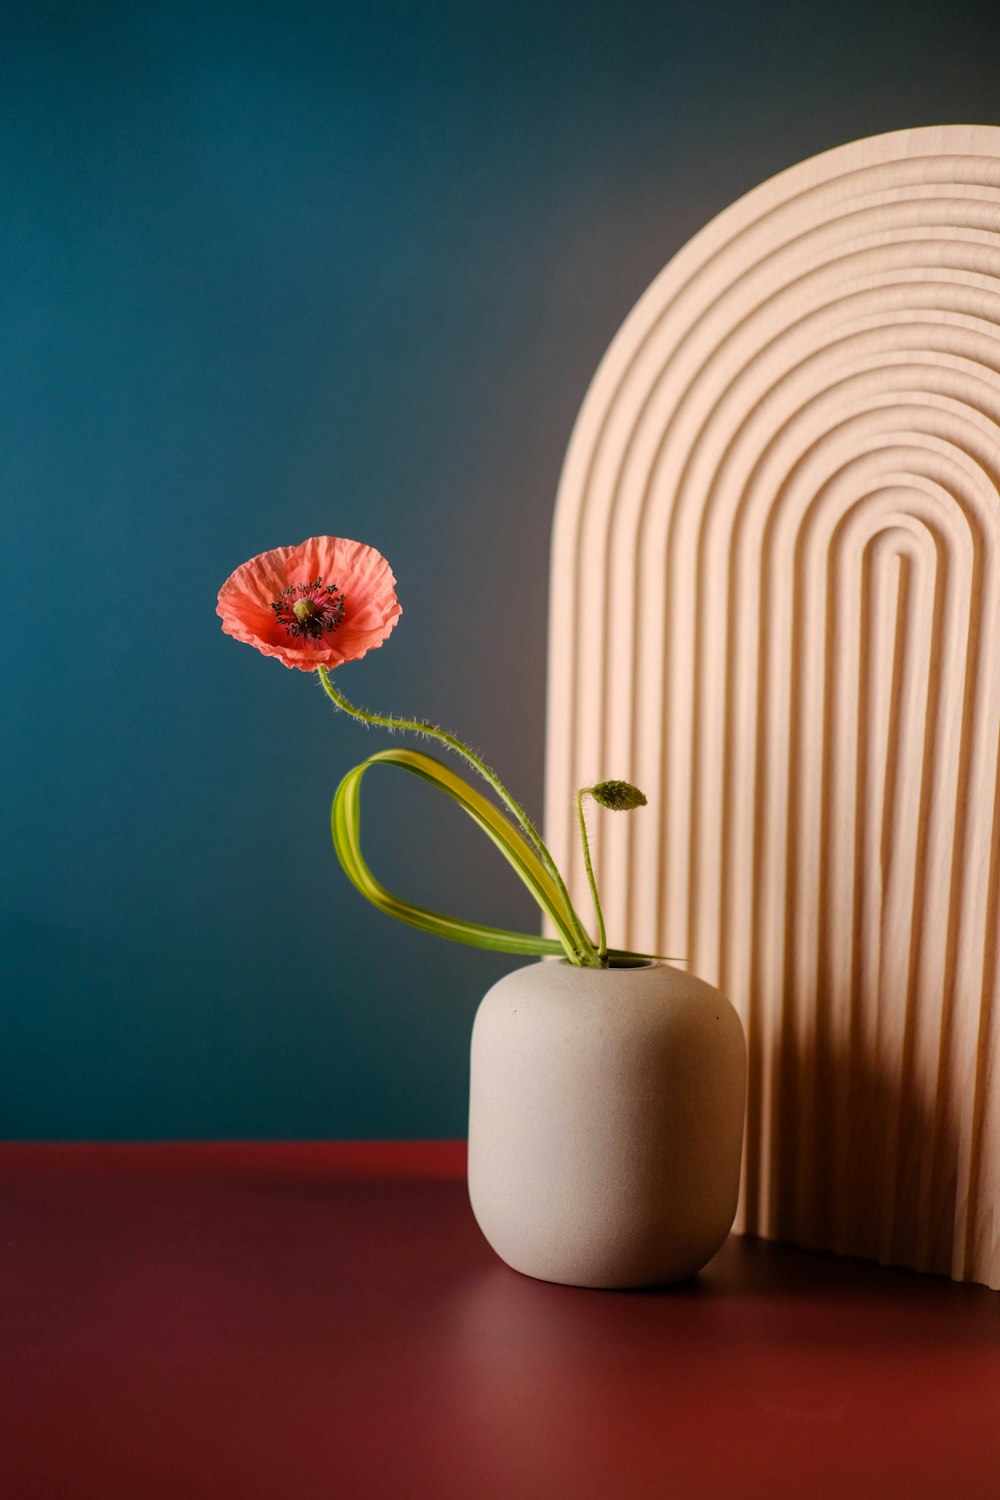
(324, 612)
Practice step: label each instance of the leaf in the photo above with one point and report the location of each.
(345, 822)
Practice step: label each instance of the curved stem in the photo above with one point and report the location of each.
(587, 954)
(602, 951)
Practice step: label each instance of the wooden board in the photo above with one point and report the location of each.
(776, 608)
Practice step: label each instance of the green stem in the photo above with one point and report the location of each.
(602, 951)
(586, 952)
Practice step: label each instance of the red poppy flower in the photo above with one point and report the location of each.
(325, 602)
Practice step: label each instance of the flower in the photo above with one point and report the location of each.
(325, 602)
(330, 600)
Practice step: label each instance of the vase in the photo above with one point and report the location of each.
(605, 1122)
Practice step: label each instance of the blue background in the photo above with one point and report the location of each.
(275, 270)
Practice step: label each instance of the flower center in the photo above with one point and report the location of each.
(309, 610)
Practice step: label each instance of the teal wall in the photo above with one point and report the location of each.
(271, 270)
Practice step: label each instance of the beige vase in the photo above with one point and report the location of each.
(605, 1122)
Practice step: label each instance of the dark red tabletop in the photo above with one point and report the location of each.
(300, 1321)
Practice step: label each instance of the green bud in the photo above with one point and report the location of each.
(303, 609)
(619, 796)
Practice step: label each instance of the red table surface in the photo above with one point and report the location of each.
(298, 1321)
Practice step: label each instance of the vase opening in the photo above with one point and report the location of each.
(615, 963)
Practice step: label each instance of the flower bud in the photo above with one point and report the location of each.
(619, 796)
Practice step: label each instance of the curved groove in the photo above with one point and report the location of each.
(562, 698)
(774, 574)
(601, 549)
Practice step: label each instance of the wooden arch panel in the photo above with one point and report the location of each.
(776, 608)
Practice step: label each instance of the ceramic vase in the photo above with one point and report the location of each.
(605, 1122)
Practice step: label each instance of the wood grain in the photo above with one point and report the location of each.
(776, 608)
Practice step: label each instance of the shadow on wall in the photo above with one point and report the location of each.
(861, 1162)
